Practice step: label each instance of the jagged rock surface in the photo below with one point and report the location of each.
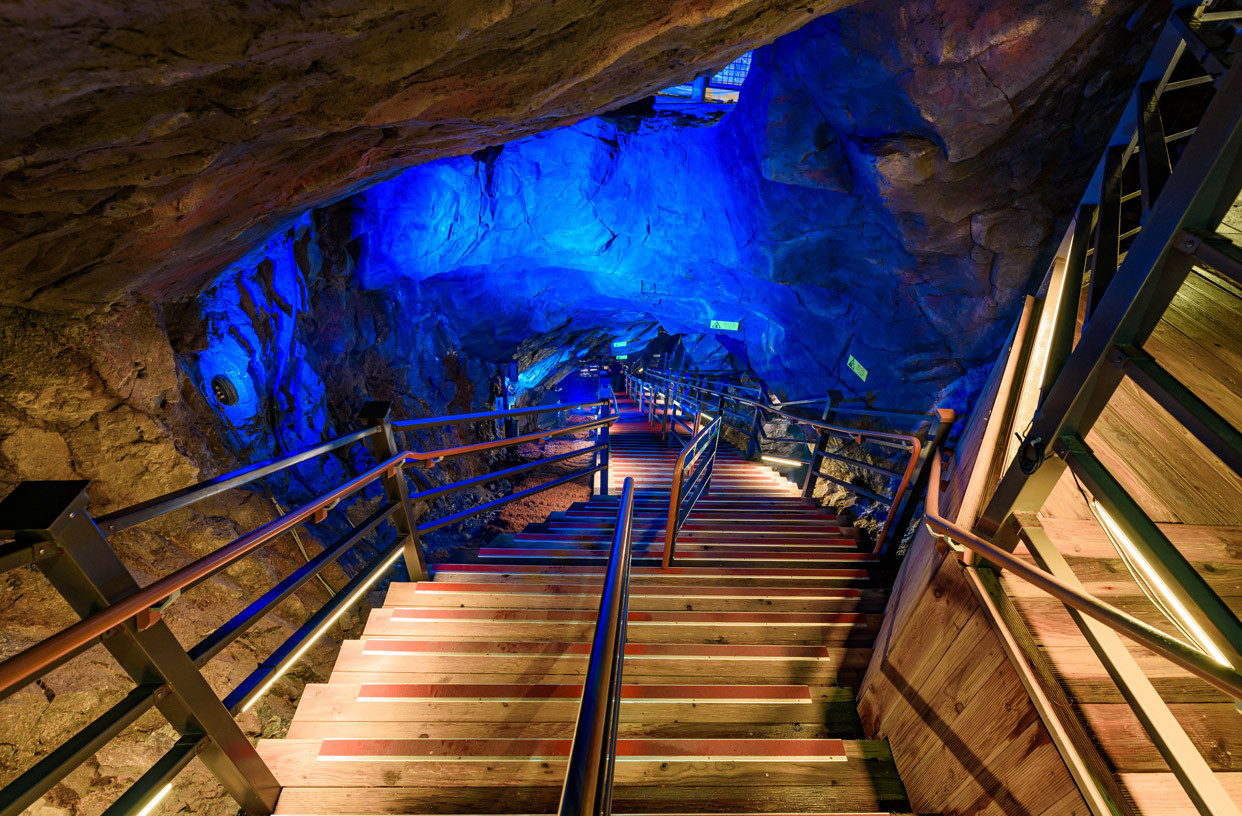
(145, 145)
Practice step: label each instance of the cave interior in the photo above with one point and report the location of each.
(230, 233)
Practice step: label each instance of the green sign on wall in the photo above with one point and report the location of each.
(623, 356)
(857, 368)
(726, 325)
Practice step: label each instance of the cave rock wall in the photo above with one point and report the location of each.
(895, 178)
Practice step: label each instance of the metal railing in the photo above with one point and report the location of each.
(1186, 183)
(1190, 658)
(692, 476)
(676, 396)
(593, 755)
(48, 526)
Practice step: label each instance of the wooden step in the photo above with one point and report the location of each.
(410, 660)
(655, 763)
(654, 576)
(810, 630)
(350, 749)
(339, 702)
(683, 557)
(865, 787)
(586, 596)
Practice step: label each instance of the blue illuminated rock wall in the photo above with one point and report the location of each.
(895, 178)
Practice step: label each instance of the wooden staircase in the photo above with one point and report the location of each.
(741, 665)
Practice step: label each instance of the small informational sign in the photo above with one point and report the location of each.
(726, 325)
(619, 343)
(857, 368)
(623, 356)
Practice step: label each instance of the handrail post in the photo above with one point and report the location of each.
(384, 447)
(903, 515)
(756, 428)
(711, 462)
(670, 389)
(602, 460)
(87, 573)
(812, 471)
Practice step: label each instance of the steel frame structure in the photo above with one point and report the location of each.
(1187, 181)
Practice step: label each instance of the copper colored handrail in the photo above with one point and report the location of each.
(436, 455)
(25, 665)
(679, 470)
(1188, 657)
(859, 436)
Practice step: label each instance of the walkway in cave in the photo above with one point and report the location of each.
(742, 665)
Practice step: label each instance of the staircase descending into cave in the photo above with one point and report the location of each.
(740, 670)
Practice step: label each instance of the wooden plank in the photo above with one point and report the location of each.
(339, 703)
(1200, 543)
(973, 665)
(1159, 794)
(1162, 465)
(297, 763)
(1198, 342)
(1216, 728)
(941, 612)
(965, 747)
(703, 694)
(309, 729)
(882, 793)
(832, 578)
(861, 633)
(842, 667)
(1034, 781)
(393, 749)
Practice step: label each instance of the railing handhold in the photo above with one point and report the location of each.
(588, 778)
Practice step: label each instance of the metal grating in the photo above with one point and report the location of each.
(731, 75)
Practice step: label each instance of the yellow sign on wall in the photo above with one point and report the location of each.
(726, 325)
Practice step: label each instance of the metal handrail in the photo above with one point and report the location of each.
(458, 419)
(151, 508)
(24, 666)
(900, 504)
(592, 757)
(38, 538)
(1189, 658)
(683, 495)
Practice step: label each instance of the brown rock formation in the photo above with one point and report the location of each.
(145, 145)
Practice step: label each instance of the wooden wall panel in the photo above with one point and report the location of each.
(963, 731)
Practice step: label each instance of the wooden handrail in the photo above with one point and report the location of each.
(1189, 658)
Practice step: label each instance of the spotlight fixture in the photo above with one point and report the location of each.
(223, 390)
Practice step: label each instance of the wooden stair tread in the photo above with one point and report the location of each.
(462, 694)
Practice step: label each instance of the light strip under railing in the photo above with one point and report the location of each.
(1168, 602)
(1188, 657)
